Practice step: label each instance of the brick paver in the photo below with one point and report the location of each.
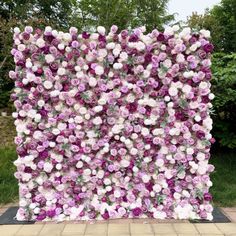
(119, 229)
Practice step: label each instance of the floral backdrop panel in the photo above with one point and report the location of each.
(112, 125)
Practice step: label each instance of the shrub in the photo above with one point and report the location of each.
(224, 88)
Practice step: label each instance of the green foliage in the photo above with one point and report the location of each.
(8, 183)
(221, 21)
(224, 88)
(123, 13)
(58, 12)
(224, 179)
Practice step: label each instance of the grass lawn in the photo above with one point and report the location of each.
(223, 190)
(8, 183)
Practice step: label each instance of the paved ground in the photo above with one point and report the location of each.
(123, 227)
(119, 229)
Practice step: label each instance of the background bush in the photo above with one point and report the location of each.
(224, 88)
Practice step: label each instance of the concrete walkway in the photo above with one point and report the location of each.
(119, 229)
(123, 227)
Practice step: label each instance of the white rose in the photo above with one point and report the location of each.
(177, 196)
(32, 113)
(169, 31)
(67, 37)
(40, 43)
(47, 167)
(54, 93)
(99, 70)
(173, 91)
(200, 156)
(47, 84)
(188, 74)
(49, 58)
(117, 66)
(157, 188)
(21, 47)
(211, 96)
(97, 121)
(159, 162)
(82, 110)
(190, 151)
(202, 168)
(134, 151)
(102, 52)
(203, 85)
(41, 103)
(37, 117)
(107, 181)
(101, 30)
(180, 58)
(110, 45)
(123, 56)
(28, 64)
(98, 108)
(16, 30)
(146, 178)
(197, 118)
(87, 172)
(145, 131)
(175, 27)
(61, 71)
(117, 194)
(100, 174)
(56, 131)
(205, 33)
(186, 88)
(79, 164)
(159, 215)
(102, 101)
(92, 82)
(124, 163)
(140, 46)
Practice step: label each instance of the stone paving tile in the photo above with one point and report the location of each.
(96, 229)
(207, 228)
(165, 234)
(141, 229)
(116, 235)
(232, 216)
(9, 230)
(226, 228)
(71, 229)
(29, 230)
(163, 228)
(52, 230)
(117, 229)
(212, 234)
(187, 234)
(185, 228)
(226, 209)
(120, 221)
(143, 235)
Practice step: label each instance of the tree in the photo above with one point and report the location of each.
(221, 21)
(59, 12)
(123, 13)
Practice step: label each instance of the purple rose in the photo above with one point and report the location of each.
(207, 197)
(137, 212)
(208, 48)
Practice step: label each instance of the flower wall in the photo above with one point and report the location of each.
(112, 125)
